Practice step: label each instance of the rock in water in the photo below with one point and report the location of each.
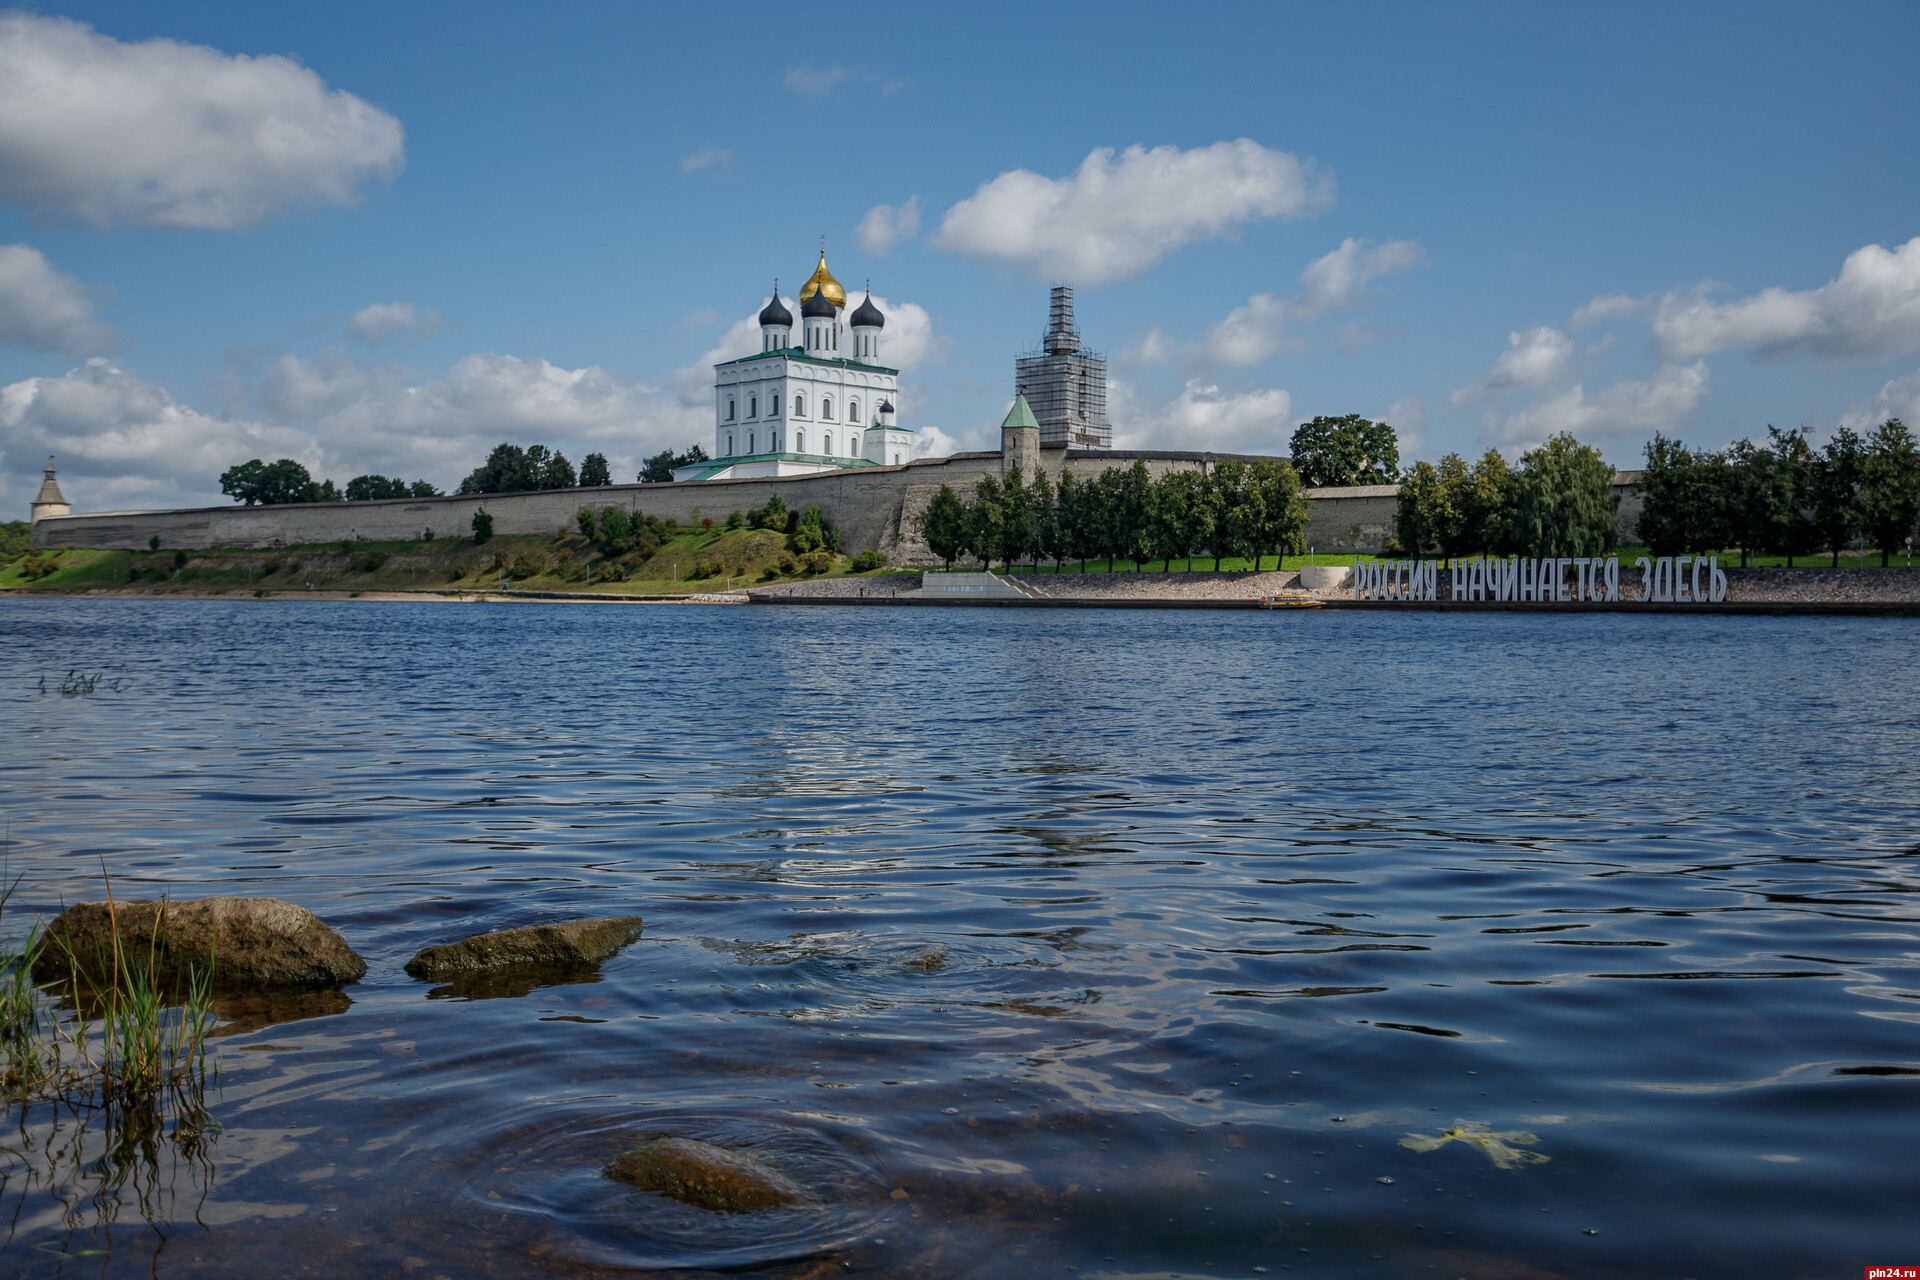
(546, 946)
(699, 1173)
(254, 944)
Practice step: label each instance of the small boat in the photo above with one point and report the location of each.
(1289, 602)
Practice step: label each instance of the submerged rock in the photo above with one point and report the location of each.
(253, 944)
(574, 944)
(701, 1174)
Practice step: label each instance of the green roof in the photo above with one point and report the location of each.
(721, 464)
(1020, 415)
(798, 353)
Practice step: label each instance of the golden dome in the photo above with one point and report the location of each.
(823, 283)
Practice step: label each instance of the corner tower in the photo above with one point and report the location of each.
(49, 501)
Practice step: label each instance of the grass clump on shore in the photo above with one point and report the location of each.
(107, 1037)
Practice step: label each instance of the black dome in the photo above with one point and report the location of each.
(886, 406)
(777, 313)
(818, 307)
(868, 316)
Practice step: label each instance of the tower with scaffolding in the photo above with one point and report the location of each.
(1065, 386)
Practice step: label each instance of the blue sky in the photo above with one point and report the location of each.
(383, 238)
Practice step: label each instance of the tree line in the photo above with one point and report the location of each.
(1558, 502)
(1230, 509)
(509, 468)
(1782, 496)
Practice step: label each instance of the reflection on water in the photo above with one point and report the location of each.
(1134, 944)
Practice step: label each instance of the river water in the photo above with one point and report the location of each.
(1103, 943)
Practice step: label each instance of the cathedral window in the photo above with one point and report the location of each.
(753, 406)
(853, 446)
(729, 446)
(799, 442)
(853, 411)
(799, 406)
(752, 444)
(729, 408)
(773, 405)
(826, 444)
(826, 407)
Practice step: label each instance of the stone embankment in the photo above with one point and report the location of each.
(1798, 586)
(891, 584)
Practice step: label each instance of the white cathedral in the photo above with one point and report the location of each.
(797, 410)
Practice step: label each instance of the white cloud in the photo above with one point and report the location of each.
(706, 159)
(816, 82)
(1872, 309)
(1258, 330)
(123, 442)
(1202, 416)
(166, 134)
(1623, 413)
(44, 309)
(1408, 417)
(1533, 357)
(1609, 306)
(1112, 220)
(1899, 398)
(888, 225)
(126, 442)
(382, 320)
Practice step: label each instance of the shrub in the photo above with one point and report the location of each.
(735, 520)
(818, 562)
(671, 523)
(706, 522)
(787, 562)
(153, 543)
(869, 560)
(584, 517)
(272, 566)
(482, 525)
(372, 561)
(616, 531)
(37, 566)
(179, 559)
(426, 535)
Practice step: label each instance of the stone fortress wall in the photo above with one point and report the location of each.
(875, 507)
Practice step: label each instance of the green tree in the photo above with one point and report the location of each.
(1046, 521)
(1891, 480)
(1791, 528)
(616, 530)
(1685, 499)
(1236, 511)
(1283, 508)
(1019, 523)
(1330, 452)
(1171, 516)
(1837, 497)
(1487, 510)
(1129, 498)
(1070, 504)
(944, 525)
(421, 489)
(584, 518)
(986, 521)
(1566, 504)
(594, 472)
(269, 483)
(659, 468)
(1423, 513)
(364, 488)
(482, 525)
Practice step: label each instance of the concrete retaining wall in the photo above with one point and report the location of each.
(875, 507)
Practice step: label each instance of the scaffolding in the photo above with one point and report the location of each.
(1065, 386)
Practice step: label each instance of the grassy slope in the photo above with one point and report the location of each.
(559, 564)
(570, 564)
